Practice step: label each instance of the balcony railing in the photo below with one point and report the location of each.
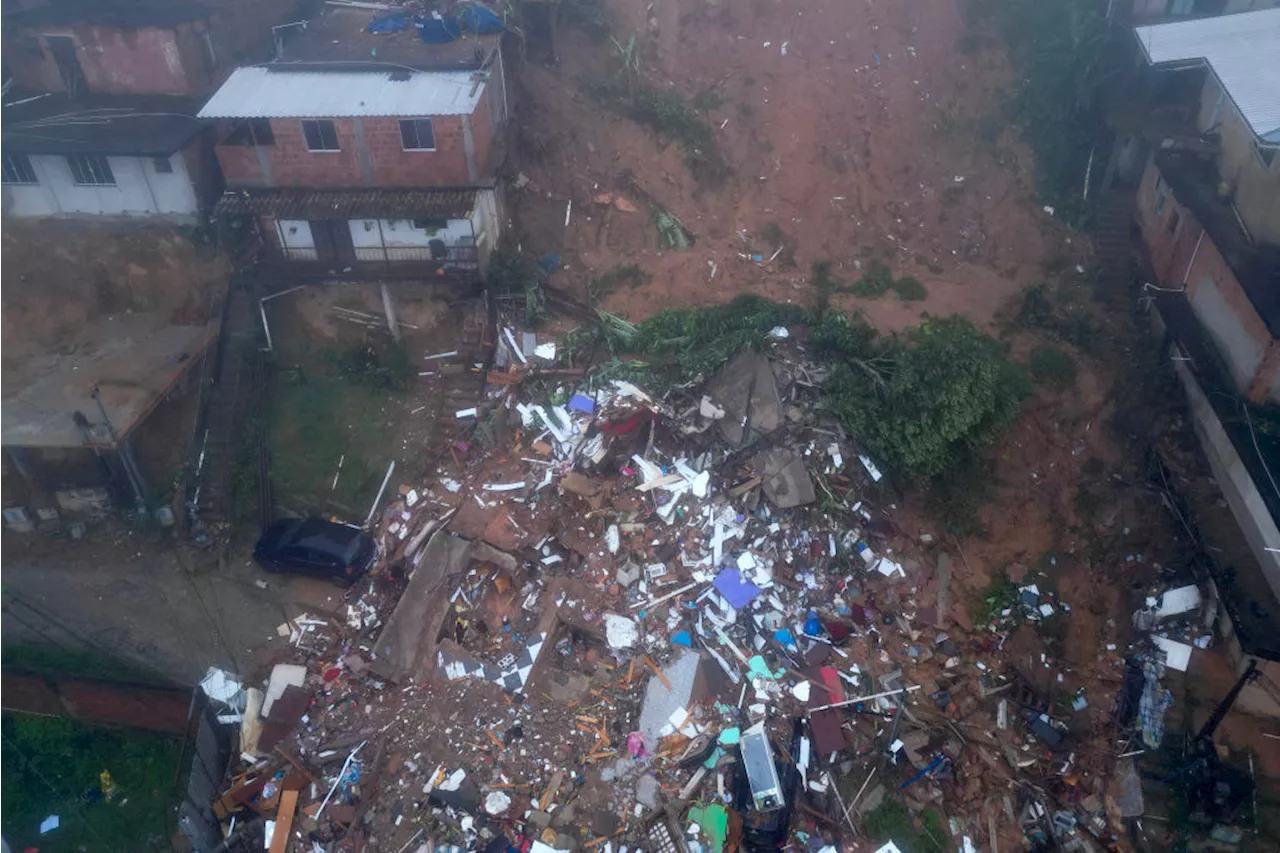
(452, 258)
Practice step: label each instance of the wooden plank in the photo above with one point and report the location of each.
(284, 822)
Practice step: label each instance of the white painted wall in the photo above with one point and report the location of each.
(139, 190)
(1242, 353)
(485, 219)
(400, 234)
(296, 239)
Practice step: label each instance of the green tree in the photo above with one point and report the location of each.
(923, 399)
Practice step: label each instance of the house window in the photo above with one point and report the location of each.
(17, 169)
(1162, 195)
(91, 169)
(416, 134)
(255, 131)
(430, 225)
(321, 135)
(1266, 153)
(162, 165)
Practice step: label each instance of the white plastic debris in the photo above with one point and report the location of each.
(496, 803)
(620, 631)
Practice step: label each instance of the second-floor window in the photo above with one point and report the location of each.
(17, 169)
(321, 135)
(417, 134)
(91, 170)
(254, 131)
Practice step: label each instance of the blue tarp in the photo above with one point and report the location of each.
(480, 20)
(388, 24)
(438, 30)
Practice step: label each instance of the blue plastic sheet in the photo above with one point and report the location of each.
(480, 19)
(438, 30)
(736, 589)
(388, 24)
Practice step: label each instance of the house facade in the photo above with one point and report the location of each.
(100, 104)
(1208, 216)
(344, 154)
(121, 156)
(139, 48)
(1153, 11)
(1209, 212)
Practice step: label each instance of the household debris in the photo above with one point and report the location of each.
(676, 621)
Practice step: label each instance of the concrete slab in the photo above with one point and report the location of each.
(134, 359)
(786, 481)
(407, 641)
(748, 392)
(660, 703)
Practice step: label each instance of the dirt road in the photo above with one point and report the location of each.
(144, 601)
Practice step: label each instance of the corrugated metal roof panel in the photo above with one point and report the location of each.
(1243, 50)
(259, 92)
(290, 203)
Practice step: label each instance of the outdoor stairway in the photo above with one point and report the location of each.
(1112, 241)
(227, 408)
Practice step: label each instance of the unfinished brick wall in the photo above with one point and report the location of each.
(384, 163)
(115, 61)
(187, 58)
(1180, 256)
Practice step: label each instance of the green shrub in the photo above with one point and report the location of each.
(1053, 367)
(910, 289)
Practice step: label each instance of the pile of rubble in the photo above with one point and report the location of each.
(690, 622)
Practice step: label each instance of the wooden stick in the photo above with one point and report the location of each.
(657, 672)
(864, 698)
(296, 766)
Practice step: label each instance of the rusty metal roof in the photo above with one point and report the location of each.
(349, 204)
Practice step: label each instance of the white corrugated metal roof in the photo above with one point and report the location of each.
(259, 92)
(1243, 50)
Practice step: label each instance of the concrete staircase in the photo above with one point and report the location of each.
(1113, 245)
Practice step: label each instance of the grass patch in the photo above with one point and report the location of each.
(1053, 367)
(1000, 595)
(892, 821)
(874, 283)
(669, 115)
(314, 421)
(956, 496)
(630, 276)
(1062, 313)
(49, 765)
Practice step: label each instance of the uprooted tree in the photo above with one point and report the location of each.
(920, 400)
(923, 399)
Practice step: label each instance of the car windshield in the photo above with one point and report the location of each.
(352, 551)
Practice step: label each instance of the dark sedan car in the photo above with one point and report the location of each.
(339, 552)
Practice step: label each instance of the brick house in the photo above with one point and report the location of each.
(101, 98)
(1203, 133)
(1209, 213)
(361, 148)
